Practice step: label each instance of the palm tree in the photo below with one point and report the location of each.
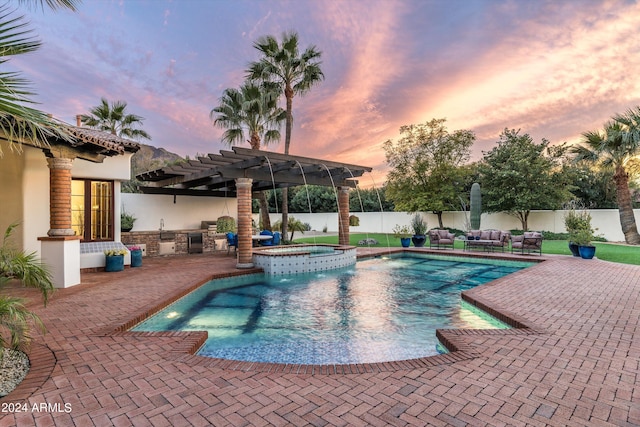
(251, 109)
(14, 316)
(616, 147)
(295, 73)
(114, 119)
(18, 122)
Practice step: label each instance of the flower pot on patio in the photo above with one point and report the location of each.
(587, 252)
(405, 242)
(114, 263)
(573, 247)
(136, 258)
(419, 240)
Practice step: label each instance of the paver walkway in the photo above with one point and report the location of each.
(578, 363)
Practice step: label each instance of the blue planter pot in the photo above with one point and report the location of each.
(114, 263)
(575, 251)
(587, 252)
(136, 258)
(405, 242)
(419, 240)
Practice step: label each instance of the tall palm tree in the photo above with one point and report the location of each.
(251, 109)
(295, 73)
(616, 147)
(114, 119)
(18, 121)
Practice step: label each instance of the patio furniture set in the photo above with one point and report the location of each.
(489, 241)
(264, 238)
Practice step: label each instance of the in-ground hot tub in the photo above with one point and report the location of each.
(299, 259)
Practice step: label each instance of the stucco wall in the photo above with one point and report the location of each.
(11, 172)
(605, 221)
(186, 213)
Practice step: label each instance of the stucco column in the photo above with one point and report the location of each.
(245, 256)
(343, 215)
(60, 197)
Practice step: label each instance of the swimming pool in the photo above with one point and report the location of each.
(378, 310)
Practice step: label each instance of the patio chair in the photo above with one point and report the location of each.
(441, 238)
(529, 242)
(232, 240)
(276, 238)
(266, 242)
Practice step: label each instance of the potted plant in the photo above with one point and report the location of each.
(225, 224)
(419, 230)
(583, 238)
(136, 256)
(576, 218)
(403, 233)
(114, 259)
(126, 222)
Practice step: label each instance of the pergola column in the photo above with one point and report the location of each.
(343, 215)
(60, 249)
(245, 256)
(60, 197)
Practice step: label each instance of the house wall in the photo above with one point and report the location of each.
(186, 213)
(36, 198)
(116, 168)
(11, 176)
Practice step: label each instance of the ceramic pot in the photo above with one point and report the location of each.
(114, 263)
(419, 240)
(136, 258)
(587, 252)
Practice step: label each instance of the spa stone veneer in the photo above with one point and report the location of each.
(301, 259)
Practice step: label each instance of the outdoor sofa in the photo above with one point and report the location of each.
(529, 242)
(441, 238)
(487, 239)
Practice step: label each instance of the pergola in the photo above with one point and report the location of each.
(242, 171)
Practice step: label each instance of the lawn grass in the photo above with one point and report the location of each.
(605, 251)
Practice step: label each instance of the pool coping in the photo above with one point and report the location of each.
(455, 340)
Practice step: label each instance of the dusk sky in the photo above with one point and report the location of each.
(553, 69)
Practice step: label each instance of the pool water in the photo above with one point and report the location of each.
(379, 310)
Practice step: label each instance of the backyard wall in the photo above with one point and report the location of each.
(605, 221)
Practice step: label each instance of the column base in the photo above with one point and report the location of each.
(62, 255)
(244, 265)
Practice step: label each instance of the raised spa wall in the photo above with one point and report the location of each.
(300, 259)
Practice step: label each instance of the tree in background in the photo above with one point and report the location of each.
(427, 167)
(19, 122)
(114, 118)
(295, 73)
(519, 175)
(616, 148)
(592, 185)
(251, 110)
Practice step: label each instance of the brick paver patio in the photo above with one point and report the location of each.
(575, 361)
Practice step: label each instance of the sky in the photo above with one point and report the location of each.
(553, 69)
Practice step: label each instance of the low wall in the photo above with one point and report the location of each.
(606, 222)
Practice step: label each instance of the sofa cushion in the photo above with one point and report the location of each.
(485, 235)
(496, 235)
